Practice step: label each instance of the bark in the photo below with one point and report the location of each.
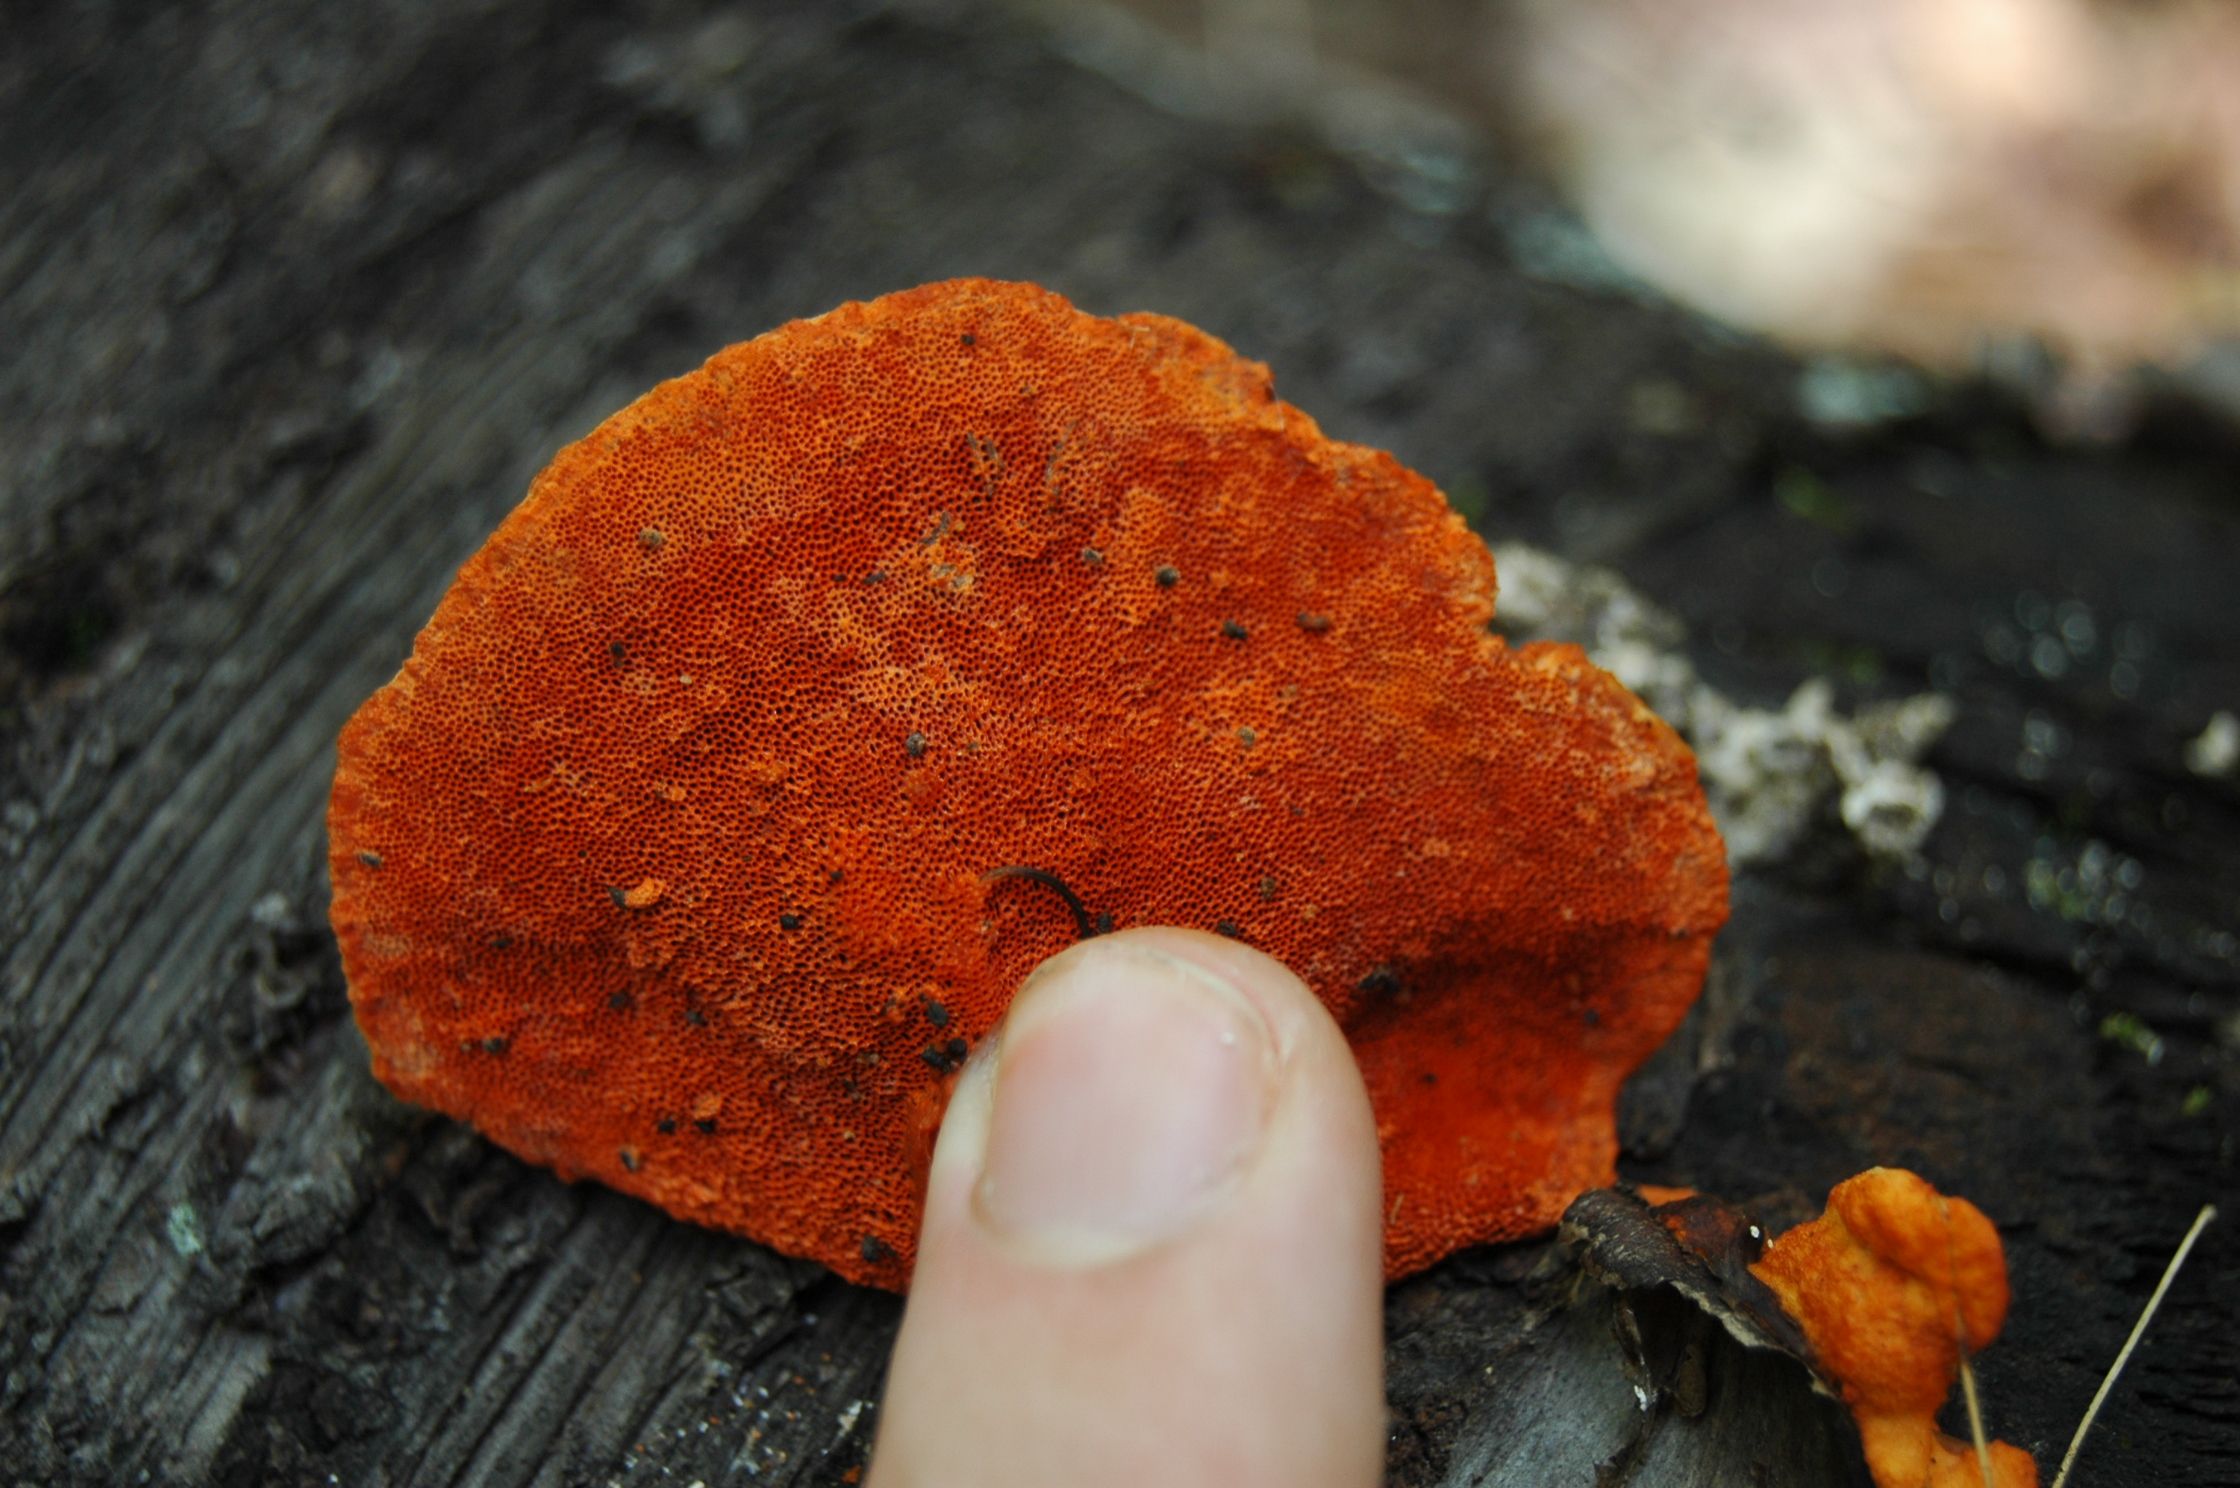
(296, 299)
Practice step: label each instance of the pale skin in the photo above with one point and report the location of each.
(1151, 1241)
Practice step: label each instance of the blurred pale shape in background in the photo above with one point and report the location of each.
(1907, 175)
(1933, 178)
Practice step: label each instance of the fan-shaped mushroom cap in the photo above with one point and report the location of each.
(668, 858)
(1889, 1285)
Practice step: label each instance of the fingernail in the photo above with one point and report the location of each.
(1131, 1090)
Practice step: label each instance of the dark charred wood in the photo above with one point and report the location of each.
(296, 297)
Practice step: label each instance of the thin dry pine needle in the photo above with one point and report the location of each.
(2138, 1330)
(1976, 1432)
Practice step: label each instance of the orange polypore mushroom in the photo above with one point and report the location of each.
(1892, 1285)
(816, 696)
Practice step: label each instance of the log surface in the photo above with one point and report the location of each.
(296, 297)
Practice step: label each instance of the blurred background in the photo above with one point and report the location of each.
(2044, 191)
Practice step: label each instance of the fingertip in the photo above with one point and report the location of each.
(1151, 1247)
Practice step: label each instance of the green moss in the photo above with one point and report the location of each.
(1807, 496)
(2132, 1031)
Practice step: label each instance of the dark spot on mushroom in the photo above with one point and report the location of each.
(695, 1017)
(617, 652)
(970, 340)
(1229, 928)
(629, 1157)
(789, 921)
(1234, 630)
(947, 1058)
(495, 1044)
(501, 942)
(876, 576)
(873, 1249)
(915, 745)
(1248, 736)
(1267, 889)
(1381, 981)
(369, 858)
(667, 1126)
(705, 1125)
(1168, 575)
(650, 538)
(1312, 623)
(618, 1001)
(936, 1014)
(619, 895)
(1091, 556)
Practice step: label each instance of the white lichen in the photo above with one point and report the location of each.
(183, 1228)
(2215, 751)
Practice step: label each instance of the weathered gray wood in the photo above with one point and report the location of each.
(296, 298)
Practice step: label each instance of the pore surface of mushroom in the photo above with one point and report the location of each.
(1890, 1285)
(814, 697)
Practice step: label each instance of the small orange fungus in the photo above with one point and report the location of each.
(1890, 1285)
(676, 863)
